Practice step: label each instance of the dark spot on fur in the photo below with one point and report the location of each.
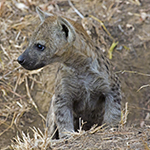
(97, 47)
(118, 101)
(106, 66)
(103, 57)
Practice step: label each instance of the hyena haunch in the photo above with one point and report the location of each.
(85, 84)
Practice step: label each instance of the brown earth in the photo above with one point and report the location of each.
(25, 95)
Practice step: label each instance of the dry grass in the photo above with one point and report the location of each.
(24, 95)
(96, 138)
(101, 137)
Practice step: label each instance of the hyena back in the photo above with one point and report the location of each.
(85, 84)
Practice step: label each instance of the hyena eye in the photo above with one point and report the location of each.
(40, 47)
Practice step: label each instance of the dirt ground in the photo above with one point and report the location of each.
(25, 95)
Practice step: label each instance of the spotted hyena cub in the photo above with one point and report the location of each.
(85, 84)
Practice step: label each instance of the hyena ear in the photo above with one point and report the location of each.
(67, 28)
(42, 14)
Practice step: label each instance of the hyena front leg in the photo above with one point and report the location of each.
(60, 116)
(112, 114)
(50, 120)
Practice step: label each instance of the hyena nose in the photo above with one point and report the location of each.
(21, 60)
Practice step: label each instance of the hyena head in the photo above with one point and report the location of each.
(49, 42)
